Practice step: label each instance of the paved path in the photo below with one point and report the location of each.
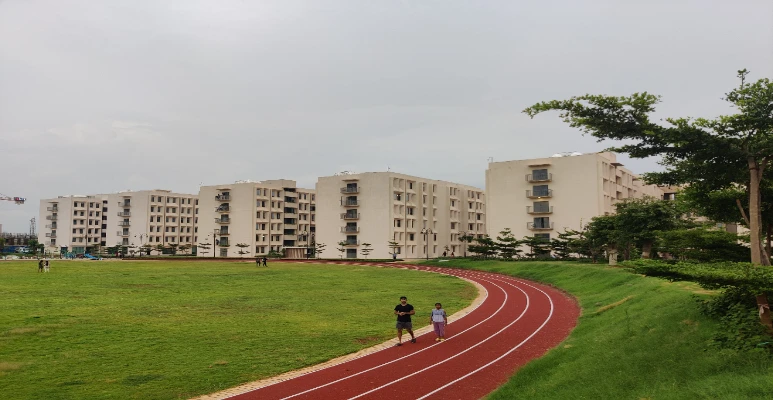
(517, 322)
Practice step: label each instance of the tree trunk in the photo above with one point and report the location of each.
(646, 249)
(768, 234)
(755, 217)
(764, 306)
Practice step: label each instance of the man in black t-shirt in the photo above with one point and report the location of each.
(404, 312)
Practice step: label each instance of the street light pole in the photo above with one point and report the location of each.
(426, 232)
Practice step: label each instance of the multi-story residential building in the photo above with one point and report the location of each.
(73, 223)
(422, 217)
(267, 216)
(542, 197)
(79, 224)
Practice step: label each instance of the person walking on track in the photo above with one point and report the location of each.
(404, 312)
(439, 320)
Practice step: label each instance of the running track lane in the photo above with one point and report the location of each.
(519, 321)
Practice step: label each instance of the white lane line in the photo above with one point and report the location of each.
(550, 315)
(413, 354)
(457, 354)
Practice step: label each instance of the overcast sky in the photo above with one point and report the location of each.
(101, 96)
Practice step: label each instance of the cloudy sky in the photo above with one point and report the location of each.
(101, 96)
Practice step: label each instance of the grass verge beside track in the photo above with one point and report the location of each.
(158, 330)
(637, 338)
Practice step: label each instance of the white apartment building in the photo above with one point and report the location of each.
(542, 197)
(423, 216)
(79, 223)
(271, 215)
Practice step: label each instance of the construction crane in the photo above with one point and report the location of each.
(17, 200)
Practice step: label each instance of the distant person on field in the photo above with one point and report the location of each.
(47, 267)
(439, 320)
(404, 312)
(452, 254)
(265, 262)
(257, 261)
(444, 253)
(40, 265)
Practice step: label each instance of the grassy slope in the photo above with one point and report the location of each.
(651, 346)
(150, 330)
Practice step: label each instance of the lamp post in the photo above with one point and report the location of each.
(426, 232)
(141, 236)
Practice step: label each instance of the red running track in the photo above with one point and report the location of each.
(516, 323)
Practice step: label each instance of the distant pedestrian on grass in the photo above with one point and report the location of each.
(257, 261)
(40, 265)
(404, 312)
(47, 267)
(265, 262)
(439, 320)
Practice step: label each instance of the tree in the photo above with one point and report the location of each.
(566, 244)
(184, 247)
(638, 221)
(692, 150)
(319, 248)
(394, 246)
(366, 249)
(507, 245)
(146, 248)
(702, 244)
(160, 248)
(341, 248)
(466, 239)
(34, 246)
(204, 246)
(2, 244)
(484, 247)
(241, 247)
(600, 235)
(173, 248)
(538, 246)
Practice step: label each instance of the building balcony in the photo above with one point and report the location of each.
(346, 190)
(124, 204)
(124, 223)
(350, 216)
(350, 229)
(223, 197)
(223, 233)
(51, 243)
(226, 244)
(539, 178)
(539, 210)
(222, 209)
(54, 209)
(124, 213)
(120, 233)
(539, 227)
(539, 194)
(222, 220)
(352, 243)
(51, 235)
(350, 203)
(51, 218)
(51, 226)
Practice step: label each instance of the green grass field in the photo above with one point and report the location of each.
(637, 338)
(162, 330)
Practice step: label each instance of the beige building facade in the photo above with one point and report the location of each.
(266, 216)
(542, 197)
(423, 217)
(80, 224)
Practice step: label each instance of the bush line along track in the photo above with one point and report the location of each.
(517, 321)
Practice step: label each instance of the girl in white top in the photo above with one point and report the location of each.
(438, 319)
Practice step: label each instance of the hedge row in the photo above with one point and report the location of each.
(755, 279)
